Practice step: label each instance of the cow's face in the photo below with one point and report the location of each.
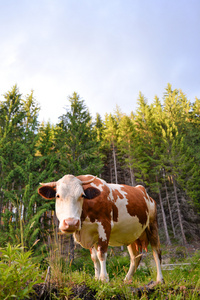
(69, 201)
(69, 194)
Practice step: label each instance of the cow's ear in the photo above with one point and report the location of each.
(91, 193)
(47, 192)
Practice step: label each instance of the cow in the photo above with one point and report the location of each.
(101, 214)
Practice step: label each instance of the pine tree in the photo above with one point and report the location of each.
(110, 144)
(18, 172)
(76, 140)
(192, 149)
(98, 126)
(148, 149)
(125, 142)
(176, 109)
(46, 152)
(143, 141)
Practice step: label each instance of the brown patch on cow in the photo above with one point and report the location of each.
(115, 212)
(102, 249)
(97, 209)
(136, 203)
(117, 195)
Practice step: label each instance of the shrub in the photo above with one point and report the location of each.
(18, 273)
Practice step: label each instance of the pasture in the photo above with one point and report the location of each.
(52, 276)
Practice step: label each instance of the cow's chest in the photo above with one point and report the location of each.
(88, 235)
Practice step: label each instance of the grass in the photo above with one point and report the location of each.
(68, 280)
(76, 279)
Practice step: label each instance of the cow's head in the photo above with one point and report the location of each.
(69, 194)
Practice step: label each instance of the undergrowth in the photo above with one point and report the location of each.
(75, 280)
(18, 273)
(21, 277)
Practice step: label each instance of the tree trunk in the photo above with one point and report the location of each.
(168, 241)
(115, 163)
(184, 241)
(169, 208)
(133, 183)
(71, 248)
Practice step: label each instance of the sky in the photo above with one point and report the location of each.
(105, 50)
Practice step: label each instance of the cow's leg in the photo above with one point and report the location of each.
(102, 255)
(95, 260)
(157, 258)
(134, 261)
(153, 237)
(104, 229)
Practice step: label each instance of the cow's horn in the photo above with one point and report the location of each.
(52, 184)
(88, 181)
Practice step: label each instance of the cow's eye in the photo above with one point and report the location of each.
(57, 196)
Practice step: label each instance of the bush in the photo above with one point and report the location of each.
(18, 273)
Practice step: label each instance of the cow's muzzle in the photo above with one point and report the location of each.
(69, 225)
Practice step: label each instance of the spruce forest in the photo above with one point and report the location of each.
(158, 146)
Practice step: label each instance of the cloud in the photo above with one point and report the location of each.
(107, 51)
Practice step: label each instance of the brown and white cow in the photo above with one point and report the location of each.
(101, 214)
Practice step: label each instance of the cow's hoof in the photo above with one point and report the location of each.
(151, 284)
(128, 281)
(162, 281)
(104, 279)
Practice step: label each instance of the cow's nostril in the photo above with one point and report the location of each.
(77, 224)
(66, 222)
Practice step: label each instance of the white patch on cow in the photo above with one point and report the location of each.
(99, 186)
(102, 233)
(112, 222)
(114, 187)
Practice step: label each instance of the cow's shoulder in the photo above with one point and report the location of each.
(96, 205)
